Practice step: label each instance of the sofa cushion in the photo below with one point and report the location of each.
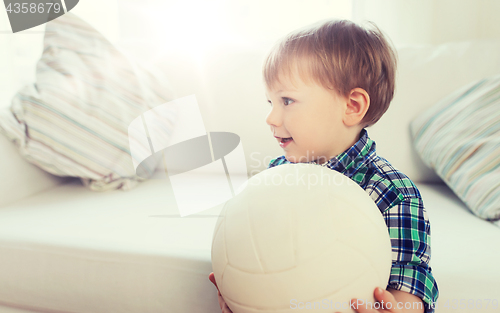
(459, 137)
(426, 74)
(74, 120)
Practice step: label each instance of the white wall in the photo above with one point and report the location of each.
(432, 21)
(151, 27)
(154, 27)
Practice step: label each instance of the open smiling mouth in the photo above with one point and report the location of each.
(285, 141)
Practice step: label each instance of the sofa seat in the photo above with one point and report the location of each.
(465, 254)
(72, 250)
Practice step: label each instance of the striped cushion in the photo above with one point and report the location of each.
(74, 120)
(459, 137)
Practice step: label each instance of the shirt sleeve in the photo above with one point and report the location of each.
(409, 230)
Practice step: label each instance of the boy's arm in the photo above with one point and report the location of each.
(409, 230)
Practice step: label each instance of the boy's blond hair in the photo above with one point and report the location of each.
(339, 55)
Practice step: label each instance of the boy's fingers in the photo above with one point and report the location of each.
(223, 305)
(361, 308)
(384, 296)
(221, 302)
(211, 277)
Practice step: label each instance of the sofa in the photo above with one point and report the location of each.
(65, 248)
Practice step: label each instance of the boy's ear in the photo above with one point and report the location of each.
(358, 102)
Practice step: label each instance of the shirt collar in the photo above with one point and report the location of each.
(354, 157)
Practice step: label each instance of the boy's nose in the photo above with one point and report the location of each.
(273, 118)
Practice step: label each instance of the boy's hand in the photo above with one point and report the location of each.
(384, 298)
(222, 303)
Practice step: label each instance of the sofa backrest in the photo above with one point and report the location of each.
(20, 179)
(18, 57)
(426, 75)
(228, 84)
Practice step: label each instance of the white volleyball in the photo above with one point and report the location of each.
(300, 236)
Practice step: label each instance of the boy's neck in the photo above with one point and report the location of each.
(348, 145)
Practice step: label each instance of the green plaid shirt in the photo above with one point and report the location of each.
(403, 210)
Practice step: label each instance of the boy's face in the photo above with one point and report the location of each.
(311, 115)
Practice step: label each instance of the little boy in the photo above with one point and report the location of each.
(326, 84)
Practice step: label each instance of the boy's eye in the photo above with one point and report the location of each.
(287, 101)
(270, 102)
